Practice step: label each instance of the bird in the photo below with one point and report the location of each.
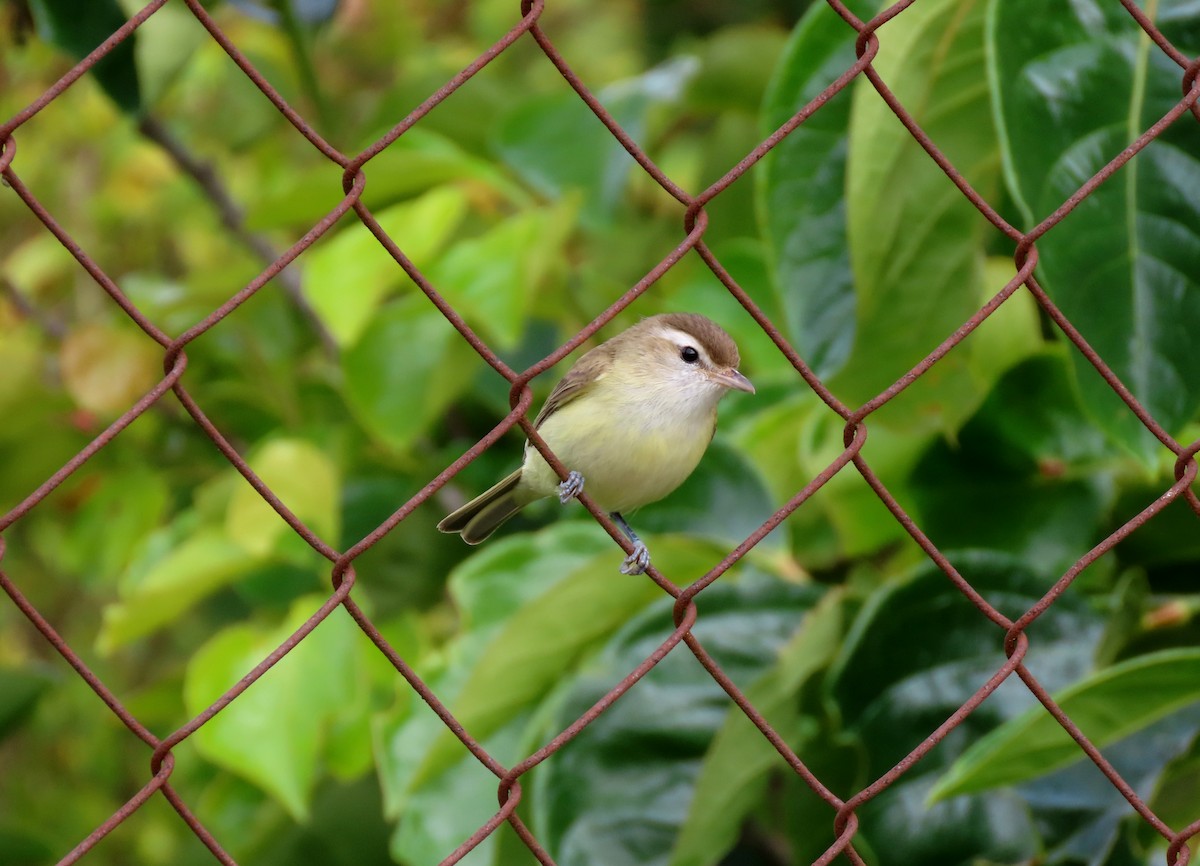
(630, 420)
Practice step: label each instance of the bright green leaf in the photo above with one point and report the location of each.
(305, 480)
(420, 161)
(407, 367)
(346, 277)
(494, 278)
(274, 734)
(1106, 706)
(192, 569)
(546, 637)
(509, 572)
(487, 588)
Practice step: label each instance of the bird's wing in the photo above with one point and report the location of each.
(579, 379)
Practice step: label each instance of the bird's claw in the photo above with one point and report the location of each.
(570, 488)
(638, 561)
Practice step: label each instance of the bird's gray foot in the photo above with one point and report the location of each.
(638, 561)
(570, 488)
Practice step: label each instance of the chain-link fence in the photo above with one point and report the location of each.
(356, 168)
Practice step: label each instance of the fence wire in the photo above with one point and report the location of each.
(175, 362)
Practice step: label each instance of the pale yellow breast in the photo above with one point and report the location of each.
(630, 449)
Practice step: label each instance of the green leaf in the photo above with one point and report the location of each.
(735, 770)
(548, 635)
(495, 288)
(303, 478)
(802, 189)
(79, 28)
(916, 243)
(498, 579)
(156, 592)
(1030, 467)
(346, 277)
(1072, 94)
(116, 517)
(1106, 706)
(275, 733)
(625, 786)
(891, 698)
(20, 689)
(1087, 817)
(556, 144)
(407, 367)
(420, 161)
(488, 588)
(917, 651)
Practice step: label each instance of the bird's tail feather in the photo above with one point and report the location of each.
(483, 515)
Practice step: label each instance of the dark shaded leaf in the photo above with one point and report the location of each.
(624, 786)
(1071, 94)
(78, 28)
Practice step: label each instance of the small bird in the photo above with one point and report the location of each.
(631, 419)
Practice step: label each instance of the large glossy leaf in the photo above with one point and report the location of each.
(916, 653)
(1089, 818)
(537, 604)
(737, 767)
(624, 786)
(1071, 93)
(1106, 706)
(1024, 476)
(916, 243)
(801, 189)
(488, 588)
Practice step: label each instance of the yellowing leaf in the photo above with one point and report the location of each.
(304, 479)
(107, 369)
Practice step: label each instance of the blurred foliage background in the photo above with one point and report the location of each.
(348, 391)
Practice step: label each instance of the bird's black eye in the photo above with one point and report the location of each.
(689, 355)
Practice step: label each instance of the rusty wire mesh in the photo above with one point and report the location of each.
(175, 362)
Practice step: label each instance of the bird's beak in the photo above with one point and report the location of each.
(733, 379)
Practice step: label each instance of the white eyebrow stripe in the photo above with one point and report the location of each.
(683, 338)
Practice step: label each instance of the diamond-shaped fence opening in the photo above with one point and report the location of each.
(283, 516)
